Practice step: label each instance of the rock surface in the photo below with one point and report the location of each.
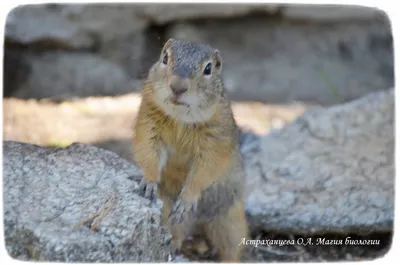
(49, 191)
(78, 26)
(284, 61)
(164, 13)
(62, 75)
(330, 170)
(331, 12)
(323, 54)
(114, 32)
(71, 26)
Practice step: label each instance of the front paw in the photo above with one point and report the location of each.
(147, 188)
(181, 209)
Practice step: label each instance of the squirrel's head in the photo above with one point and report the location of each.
(186, 80)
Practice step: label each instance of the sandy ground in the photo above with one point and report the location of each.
(107, 122)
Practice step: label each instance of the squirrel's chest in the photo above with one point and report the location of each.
(179, 147)
(180, 141)
(175, 159)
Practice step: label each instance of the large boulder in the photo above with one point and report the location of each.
(78, 26)
(114, 32)
(81, 26)
(330, 170)
(329, 13)
(63, 75)
(161, 14)
(49, 192)
(71, 26)
(285, 61)
(164, 13)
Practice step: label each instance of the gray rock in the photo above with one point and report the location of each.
(330, 170)
(280, 61)
(115, 32)
(62, 75)
(71, 26)
(16, 69)
(48, 191)
(164, 13)
(325, 13)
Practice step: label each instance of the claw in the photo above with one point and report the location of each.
(175, 208)
(182, 217)
(180, 210)
(193, 209)
(171, 213)
(147, 189)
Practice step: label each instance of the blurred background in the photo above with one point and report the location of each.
(72, 72)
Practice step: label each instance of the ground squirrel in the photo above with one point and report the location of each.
(185, 141)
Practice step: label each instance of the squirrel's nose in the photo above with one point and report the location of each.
(179, 85)
(178, 90)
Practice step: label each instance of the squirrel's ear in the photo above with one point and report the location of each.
(168, 42)
(218, 59)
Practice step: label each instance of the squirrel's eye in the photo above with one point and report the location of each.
(207, 70)
(165, 59)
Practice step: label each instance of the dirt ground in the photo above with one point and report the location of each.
(107, 122)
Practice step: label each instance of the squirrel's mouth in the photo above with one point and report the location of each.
(176, 101)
